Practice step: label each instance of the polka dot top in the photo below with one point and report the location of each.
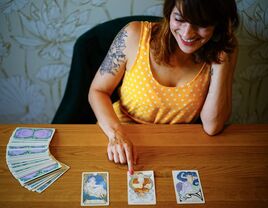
(144, 100)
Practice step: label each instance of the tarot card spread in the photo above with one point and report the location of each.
(141, 188)
(187, 187)
(95, 189)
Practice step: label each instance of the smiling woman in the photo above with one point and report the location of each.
(166, 72)
(188, 36)
(213, 21)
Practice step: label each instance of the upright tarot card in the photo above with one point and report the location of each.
(95, 189)
(187, 187)
(141, 188)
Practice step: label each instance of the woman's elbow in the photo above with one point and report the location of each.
(213, 125)
(212, 128)
(91, 95)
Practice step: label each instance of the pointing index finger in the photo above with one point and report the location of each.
(129, 155)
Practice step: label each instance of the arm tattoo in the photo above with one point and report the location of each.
(115, 56)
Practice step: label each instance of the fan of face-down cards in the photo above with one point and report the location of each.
(29, 159)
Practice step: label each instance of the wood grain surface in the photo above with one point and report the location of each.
(233, 166)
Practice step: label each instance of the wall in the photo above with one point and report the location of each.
(37, 36)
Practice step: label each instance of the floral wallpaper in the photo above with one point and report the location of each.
(37, 38)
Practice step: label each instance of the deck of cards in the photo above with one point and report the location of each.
(29, 159)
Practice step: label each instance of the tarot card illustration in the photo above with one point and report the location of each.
(187, 187)
(141, 188)
(95, 189)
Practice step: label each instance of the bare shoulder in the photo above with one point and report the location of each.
(133, 30)
(133, 33)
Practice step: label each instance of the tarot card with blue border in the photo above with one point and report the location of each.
(188, 187)
(95, 189)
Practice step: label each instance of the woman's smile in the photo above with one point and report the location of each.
(188, 41)
(188, 36)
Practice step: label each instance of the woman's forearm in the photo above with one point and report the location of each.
(120, 148)
(102, 106)
(218, 104)
(217, 107)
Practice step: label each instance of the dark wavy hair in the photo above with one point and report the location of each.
(219, 13)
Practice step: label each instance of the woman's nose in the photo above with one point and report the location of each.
(187, 30)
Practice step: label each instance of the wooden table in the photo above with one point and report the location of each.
(233, 166)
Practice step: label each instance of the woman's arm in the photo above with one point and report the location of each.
(105, 81)
(218, 104)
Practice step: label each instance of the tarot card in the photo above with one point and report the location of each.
(34, 184)
(188, 187)
(48, 183)
(141, 188)
(19, 155)
(95, 189)
(35, 135)
(38, 173)
(42, 179)
(27, 165)
(26, 171)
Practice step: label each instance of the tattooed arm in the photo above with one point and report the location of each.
(121, 54)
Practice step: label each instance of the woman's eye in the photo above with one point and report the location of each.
(179, 19)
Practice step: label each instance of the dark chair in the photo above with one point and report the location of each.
(89, 51)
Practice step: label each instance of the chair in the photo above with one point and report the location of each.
(89, 51)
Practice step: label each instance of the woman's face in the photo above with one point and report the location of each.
(189, 37)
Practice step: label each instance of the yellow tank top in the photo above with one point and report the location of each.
(144, 100)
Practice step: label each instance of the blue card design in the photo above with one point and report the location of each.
(188, 187)
(95, 189)
(33, 133)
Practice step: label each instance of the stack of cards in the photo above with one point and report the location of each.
(29, 159)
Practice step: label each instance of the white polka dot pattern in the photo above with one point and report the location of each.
(144, 100)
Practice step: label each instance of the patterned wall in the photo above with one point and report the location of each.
(37, 36)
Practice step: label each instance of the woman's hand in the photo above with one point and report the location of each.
(120, 149)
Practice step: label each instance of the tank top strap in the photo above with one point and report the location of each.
(144, 46)
(145, 35)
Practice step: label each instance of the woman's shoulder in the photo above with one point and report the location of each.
(133, 30)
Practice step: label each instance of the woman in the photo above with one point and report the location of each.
(173, 72)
